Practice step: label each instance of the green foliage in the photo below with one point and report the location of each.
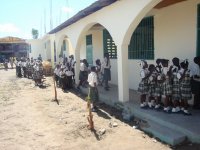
(35, 33)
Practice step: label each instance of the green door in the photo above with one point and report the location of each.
(89, 49)
(198, 31)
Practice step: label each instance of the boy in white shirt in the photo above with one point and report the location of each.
(93, 91)
(57, 75)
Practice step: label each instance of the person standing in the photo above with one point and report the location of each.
(194, 68)
(106, 70)
(93, 92)
(11, 62)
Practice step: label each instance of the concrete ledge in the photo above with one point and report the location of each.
(165, 134)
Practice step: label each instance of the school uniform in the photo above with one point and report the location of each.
(195, 85)
(18, 69)
(106, 71)
(72, 65)
(152, 84)
(93, 92)
(83, 72)
(98, 71)
(166, 85)
(69, 75)
(175, 84)
(62, 78)
(185, 86)
(143, 85)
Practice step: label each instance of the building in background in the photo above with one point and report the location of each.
(13, 47)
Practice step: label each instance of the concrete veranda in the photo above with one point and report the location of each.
(170, 128)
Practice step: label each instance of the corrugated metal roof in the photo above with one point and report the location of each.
(83, 13)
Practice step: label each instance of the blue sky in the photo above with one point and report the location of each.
(18, 17)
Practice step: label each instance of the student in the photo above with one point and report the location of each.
(98, 71)
(57, 75)
(175, 85)
(166, 85)
(106, 70)
(39, 73)
(19, 68)
(11, 62)
(72, 63)
(63, 78)
(143, 85)
(69, 74)
(185, 86)
(159, 81)
(83, 75)
(194, 68)
(93, 92)
(152, 85)
(28, 67)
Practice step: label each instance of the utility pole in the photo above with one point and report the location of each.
(51, 19)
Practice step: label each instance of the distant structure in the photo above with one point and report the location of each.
(13, 47)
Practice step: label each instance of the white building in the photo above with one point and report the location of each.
(130, 30)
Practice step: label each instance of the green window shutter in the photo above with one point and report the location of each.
(198, 31)
(89, 39)
(141, 45)
(89, 49)
(109, 45)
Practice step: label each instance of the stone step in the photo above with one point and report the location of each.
(164, 133)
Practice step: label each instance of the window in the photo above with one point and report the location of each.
(142, 41)
(109, 45)
(89, 49)
(198, 31)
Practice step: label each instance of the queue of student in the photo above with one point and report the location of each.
(173, 84)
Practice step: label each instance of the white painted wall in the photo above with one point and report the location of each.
(98, 53)
(37, 47)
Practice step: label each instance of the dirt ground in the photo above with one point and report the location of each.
(31, 121)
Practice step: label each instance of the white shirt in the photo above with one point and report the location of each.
(82, 67)
(143, 73)
(92, 78)
(68, 72)
(104, 63)
(194, 69)
(57, 71)
(72, 62)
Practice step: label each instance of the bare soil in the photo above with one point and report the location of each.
(30, 120)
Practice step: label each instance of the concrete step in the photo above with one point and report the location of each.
(178, 122)
(164, 133)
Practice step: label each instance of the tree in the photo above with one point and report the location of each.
(35, 33)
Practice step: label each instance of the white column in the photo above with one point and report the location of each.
(123, 87)
(77, 66)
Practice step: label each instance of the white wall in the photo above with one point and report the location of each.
(175, 35)
(98, 53)
(37, 47)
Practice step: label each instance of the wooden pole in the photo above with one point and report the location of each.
(55, 91)
(90, 116)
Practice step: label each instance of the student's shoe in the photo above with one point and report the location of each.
(143, 105)
(178, 109)
(157, 106)
(174, 110)
(187, 113)
(166, 109)
(150, 104)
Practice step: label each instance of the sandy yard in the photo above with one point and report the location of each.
(31, 121)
